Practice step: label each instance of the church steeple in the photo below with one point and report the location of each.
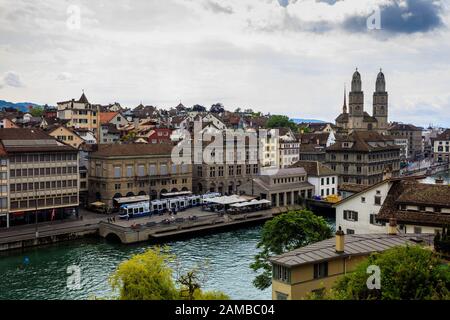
(344, 108)
(356, 97)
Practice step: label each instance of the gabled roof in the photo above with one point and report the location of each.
(363, 141)
(416, 194)
(403, 127)
(444, 135)
(354, 245)
(106, 117)
(314, 168)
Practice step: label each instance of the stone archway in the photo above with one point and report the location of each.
(142, 193)
(130, 194)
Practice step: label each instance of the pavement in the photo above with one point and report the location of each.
(88, 220)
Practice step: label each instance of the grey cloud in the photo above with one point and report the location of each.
(12, 79)
(217, 8)
(416, 16)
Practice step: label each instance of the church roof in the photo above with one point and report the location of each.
(369, 118)
(343, 117)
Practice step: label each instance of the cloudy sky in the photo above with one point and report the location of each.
(288, 57)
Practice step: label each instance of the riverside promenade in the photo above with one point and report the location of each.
(190, 222)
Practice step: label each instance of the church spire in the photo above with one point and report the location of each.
(344, 108)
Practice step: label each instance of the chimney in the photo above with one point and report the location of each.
(392, 227)
(387, 174)
(340, 237)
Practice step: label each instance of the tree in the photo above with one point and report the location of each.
(217, 108)
(407, 273)
(442, 241)
(148, 276)
(198, 108)
(278, 121)
(37, 111)
(145, 276)
(284, 233)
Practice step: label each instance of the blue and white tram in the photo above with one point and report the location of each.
(134, 210)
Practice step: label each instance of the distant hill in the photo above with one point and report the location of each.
(308, 120)
(21, 106)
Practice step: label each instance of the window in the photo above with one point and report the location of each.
(163, 169)
(350, 215)
(363, 200)
(373, 220)
(117, 172)
(350, 231)
(378, 200)
(281, 273)
(117, 186)
(152, 170)
(129, 171)
(320, 270)
(417, 230)
(141, 170)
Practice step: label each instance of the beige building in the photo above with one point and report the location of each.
(225, 167)
(283, 187)
(80, 114)
(66, 135)
(43, 176)
(316, 267)
(123, 170)
(413, 137)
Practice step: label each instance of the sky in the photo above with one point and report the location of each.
(290, 57)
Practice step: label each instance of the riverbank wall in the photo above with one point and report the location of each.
(155, 232)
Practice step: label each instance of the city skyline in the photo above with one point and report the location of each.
(271, 57)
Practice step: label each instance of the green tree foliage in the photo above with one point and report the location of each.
(407, 273)
(284, 233)
(37, 111)
(279, 121)
(148, 276)
(442, 241)
(145, 276)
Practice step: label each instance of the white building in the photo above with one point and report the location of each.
(417, 207)
(324, 180)
(357, 213)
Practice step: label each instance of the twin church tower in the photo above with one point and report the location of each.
(355, 118)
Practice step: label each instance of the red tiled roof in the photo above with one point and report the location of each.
(106, 117)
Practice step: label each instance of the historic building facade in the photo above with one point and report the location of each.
(80, 114)
(124, 170)
(363, 157)
(39, 175)
(354, 118)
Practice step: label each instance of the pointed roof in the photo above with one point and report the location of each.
(344, 108)
(83, 98)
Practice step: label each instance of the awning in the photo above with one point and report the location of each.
(226, 200)
(132, 199)
(250, 203)
(176, 194)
